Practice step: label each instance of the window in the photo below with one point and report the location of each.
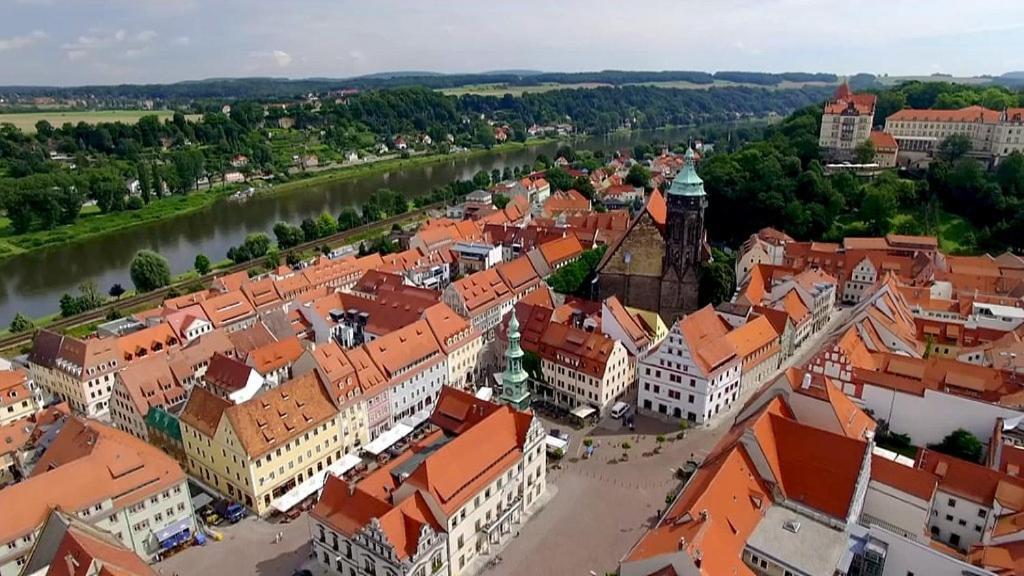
(952, 503)
(981, 513)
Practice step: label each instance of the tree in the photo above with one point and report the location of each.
(325, 226)
(149, 271)
(20, 323)
(500, 201)
(558, 178)
(878, 209)
(482, 179)
(717, 279)
(961, 444)
(116, 291)
(309, 229)
(348, 219)
(864, 152)
(69, 305)
(257, 244)
(638, 177)
(272, 259)
(484, 135)
(202, 264)
(954, 147)
(288, 236)
(145, 181)
(90, 294)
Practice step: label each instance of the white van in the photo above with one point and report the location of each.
(619, 410)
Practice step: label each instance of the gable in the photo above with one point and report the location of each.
(645, 245)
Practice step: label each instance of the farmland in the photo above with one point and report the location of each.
(500, 89)
(26, 121)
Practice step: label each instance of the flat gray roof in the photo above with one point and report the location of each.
(814, 549)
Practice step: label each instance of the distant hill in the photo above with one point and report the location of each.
(264, 88)
(1017, 75)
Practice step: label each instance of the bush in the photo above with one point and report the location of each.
(588, 442)
(134, 203)
(21, 323)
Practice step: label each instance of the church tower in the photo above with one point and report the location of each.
(513, 380)
(684, 240)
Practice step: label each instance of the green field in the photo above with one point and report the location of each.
(26, 121)
(968, 80)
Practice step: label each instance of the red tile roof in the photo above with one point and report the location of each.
(968, 114)
(913, 481)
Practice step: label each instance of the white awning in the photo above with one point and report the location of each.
(555, 443)
(314, 483)
(416, 419)
(485, 393)
(583, 411)
(388, 439)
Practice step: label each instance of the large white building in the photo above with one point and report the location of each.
(993, 134)
(694, 374)
(444, 506)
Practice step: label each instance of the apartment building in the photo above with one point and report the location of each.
(694, 374)
(106, 478)
(483, 298)
(444, 505)
(414, 368)
(581, 368)
(79, 372)
(256, 451)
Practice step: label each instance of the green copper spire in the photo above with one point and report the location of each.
(513, 379)
(687, 183)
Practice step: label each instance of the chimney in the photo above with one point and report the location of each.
(682, 543)
(807, 381)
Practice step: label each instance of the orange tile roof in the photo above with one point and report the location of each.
(94, 552)
(482, 449)
(277, 416)
(883, 141)
(968, 114)
(1003, 559)
(151, 340)
(913, 481)
(559, 251)
(582, 351)
(87, 463)
(227, 308)
(231, 282)
(371, 379)
(519, 274)
(403, 349)
(277, 355)
(482, 290)
(795, 308)
(261, 293)
(450, 329)
(13, 387)
(947, 375)
(752, 336)
(704, 332)
(657, 207)
(150, 383)
(567, 201)
(971, 481)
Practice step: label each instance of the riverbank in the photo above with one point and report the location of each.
(90, 226)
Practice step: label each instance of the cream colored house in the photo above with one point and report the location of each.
(583, 368)
(459, 340)
(256, 451)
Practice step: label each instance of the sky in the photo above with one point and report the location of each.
(74, 42)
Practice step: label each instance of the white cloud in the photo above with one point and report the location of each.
(133, 53)
(181, 41)
(74, 55)
(19, 42)
(120, 35)
(145, 36)
(282, 58)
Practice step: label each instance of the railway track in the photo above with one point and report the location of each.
(20, 339)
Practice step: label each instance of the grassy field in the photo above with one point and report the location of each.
(502, 89)
(26, 121)
(969, 80)
(92, 223)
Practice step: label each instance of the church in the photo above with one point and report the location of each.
(656, 264)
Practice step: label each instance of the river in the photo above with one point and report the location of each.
(32, 283)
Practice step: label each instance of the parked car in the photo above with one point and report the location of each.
(619, 410)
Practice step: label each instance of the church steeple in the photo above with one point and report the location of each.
(687, 183)
(513, 380)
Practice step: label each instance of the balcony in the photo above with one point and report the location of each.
(515, 506)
